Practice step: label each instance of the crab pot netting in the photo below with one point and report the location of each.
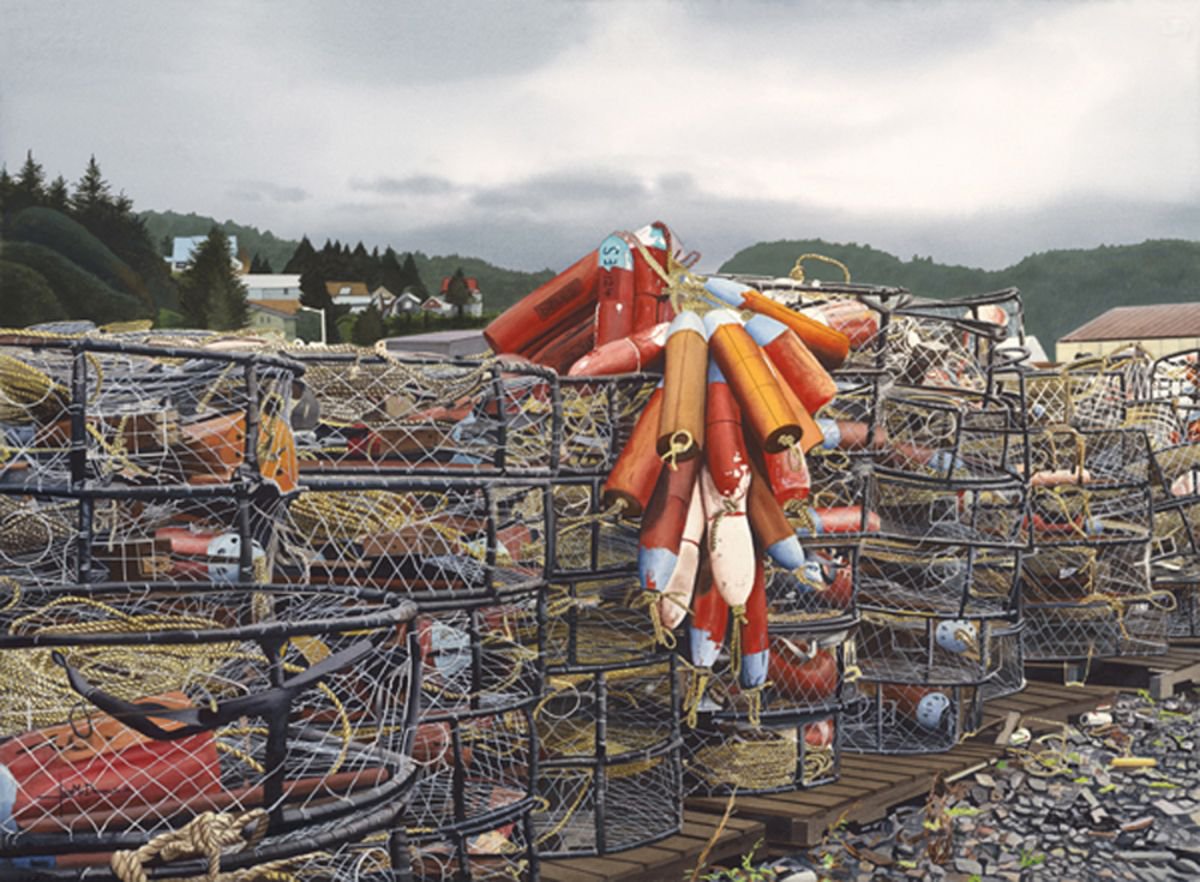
(392, 412)
(1084, 601)
(941, 581)
(598, 415)
(497, 848)
(923, 649)
(171, 534)
(92, 412)
(230, 699)
(913, 509)
(1009, 650)
(906, 718)
(1183, 582)
(947, 435)
(598, 621)
(589, 539)
(785, 753)
(609, 769)
(430, 537)
(1176, 530)
(1086, 394)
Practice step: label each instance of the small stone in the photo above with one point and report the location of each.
(800, 876)
(968, 866)
(1146, 857)
(1037, 785)
(985, 779)
(1168, 808)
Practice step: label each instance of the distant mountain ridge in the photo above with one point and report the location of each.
(1061, 290)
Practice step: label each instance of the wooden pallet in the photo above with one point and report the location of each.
(1161, 675)
(670, 859)
(1039, 703)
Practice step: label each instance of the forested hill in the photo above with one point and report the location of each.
(1060, 289)
(501, 287)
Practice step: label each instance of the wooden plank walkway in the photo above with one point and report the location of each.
(1161, 675)
(666, 860)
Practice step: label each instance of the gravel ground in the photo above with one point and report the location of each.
(1062, 813)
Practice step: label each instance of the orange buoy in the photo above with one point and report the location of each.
(725, 486)
(664, 524)
(794, 361)
(768, 412)
(647, 283)
(636, 471)
(810, 431)
(830, 346)
(771, 527)
(614, 290)
(681, 427)
(859, 322)
(640, 351)
(531, 318)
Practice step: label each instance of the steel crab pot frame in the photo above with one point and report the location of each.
(432, 538)
(1180, 577)
(103, 412)
(906, 718)
(598, 416)
(391, 413)
(609, 775)
(589, 539)
(134, 708)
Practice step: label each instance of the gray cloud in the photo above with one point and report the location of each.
(413, 185)
(265, 191)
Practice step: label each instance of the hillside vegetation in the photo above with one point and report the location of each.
(1061, 290)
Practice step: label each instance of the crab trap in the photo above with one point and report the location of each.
(598, 416)
(430, 537)
(908, 718)
(89, 413)
(499, 848)
(392, 413)
(1009, 652)
(132, 709)
(609, 770)
(912, 508)
(591, 536)
(1085, 394)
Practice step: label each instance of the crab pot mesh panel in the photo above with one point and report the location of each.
(1184, 620)
(1174, 472)
(1001, 309)
(598, 415)
(1083, 601)
(500, 849)
(923, 649)
(171, 534)
(1176, 378)
(609, 772)
(433, 538)
(784, 754)
(902, 718)
(93, 413)
(597, 621)
(938, 580)
(925, 348)
(948, 435)
(358, 410)
(296, 702)
(911, 508)
(1176, 530)
(1160, 420)
(856, 403)
(589, 539)
(824, 589)
(1009, 648)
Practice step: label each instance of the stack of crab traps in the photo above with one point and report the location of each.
(1091, 463)
(169, 705)
(925, 450)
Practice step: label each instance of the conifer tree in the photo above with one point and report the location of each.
(210, 293)
(301, 258)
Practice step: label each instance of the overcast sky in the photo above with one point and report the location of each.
(524, 132)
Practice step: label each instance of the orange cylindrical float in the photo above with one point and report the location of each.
(681, 427)
(725, 486)
(810, 432)
(853, 318)
(648, 285)
(531, 318)
(830, 346)
(771, 527)
(802, 671)
(663, 524)
(755, 636)
(770, 415)
(636, 471)
(710, 619)
(638, 352)
(614, 290)
(852, 435)
(569, 344)
(794, 361)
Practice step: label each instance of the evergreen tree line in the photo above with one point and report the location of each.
(336, 262)
(85, 242)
